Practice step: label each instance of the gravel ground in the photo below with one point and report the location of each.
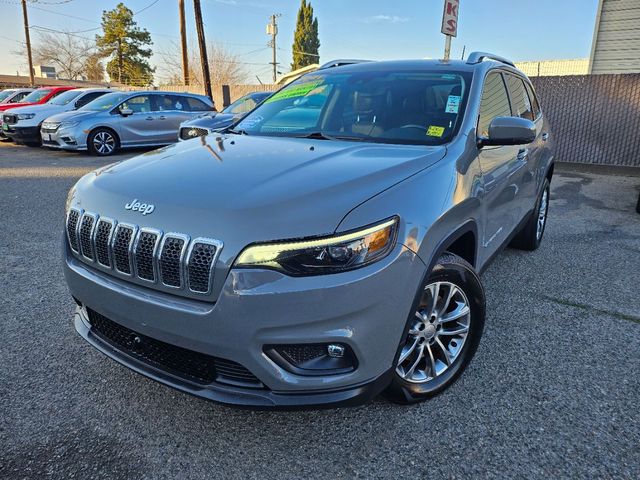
(553, 390)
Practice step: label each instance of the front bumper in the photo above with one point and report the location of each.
(62, 138)
(22, 134)
(365, 309)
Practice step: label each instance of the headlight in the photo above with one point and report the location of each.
(25, 116)
(69, 124)
(334, 254)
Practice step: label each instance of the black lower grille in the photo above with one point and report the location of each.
(193, 366)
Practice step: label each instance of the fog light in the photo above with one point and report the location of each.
(336, 351)
(313, 358)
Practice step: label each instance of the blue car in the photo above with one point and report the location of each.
(215, 121)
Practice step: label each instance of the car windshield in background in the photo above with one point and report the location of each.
(35, 96)
(405, 107)
(106, 102)
(5, 94)
(245, 104)
(65, 97)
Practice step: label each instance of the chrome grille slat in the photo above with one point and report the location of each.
(121, 248)
(102, 241)
(171, 259)
(171, 262)
(200, 263)
(73, 220)
(144, 254)
(87, 223)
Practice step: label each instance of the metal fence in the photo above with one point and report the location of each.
(544, 68)
(595, 118)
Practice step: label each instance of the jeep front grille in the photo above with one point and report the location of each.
(167, 261)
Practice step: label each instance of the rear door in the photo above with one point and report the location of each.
(498, 164)
(139, 128)
(172, 111)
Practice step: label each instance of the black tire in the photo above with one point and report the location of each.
(528, 237)
(453, 270)
(638, 205)
(111, 142)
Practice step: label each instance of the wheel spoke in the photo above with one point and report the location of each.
(407, 351)
(447, 356)
(434, 297)
(461, 310)
(432, 361)
(452, 291)
(417, 361)
(458, 331)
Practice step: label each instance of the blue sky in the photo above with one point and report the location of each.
(375, 29)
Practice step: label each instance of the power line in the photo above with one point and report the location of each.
(145, 8)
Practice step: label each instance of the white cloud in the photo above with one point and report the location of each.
(385, 18)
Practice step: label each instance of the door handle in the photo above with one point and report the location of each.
(523, 153)
(545, 136)
(149, 118)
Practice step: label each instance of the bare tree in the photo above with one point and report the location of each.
(94, 69)
(225, 66)
(67, 52)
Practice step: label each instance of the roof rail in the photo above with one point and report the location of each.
(341, 61)
(477, 57)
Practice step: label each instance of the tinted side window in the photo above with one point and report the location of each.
(89, 97)
(197, 105)
(139, 104)
(171, 103)
(494, 103)
(519, 99)
(19, 97)
(534, 100)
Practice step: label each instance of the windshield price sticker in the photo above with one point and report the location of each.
(294, 92)
(434, 131)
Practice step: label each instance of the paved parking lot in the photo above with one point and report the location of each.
(553, 390)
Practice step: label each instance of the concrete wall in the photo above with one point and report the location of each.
(616, 40)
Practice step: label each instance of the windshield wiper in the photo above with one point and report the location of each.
(237, 132)
(323, 136)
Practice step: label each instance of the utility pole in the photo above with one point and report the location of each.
(204, 60)
(183, 40)
(272, 29)
(28, 40)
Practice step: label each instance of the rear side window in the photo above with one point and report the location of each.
(89, 97)
(196, 105)
(141, 104)
(494, 103)
(519, 99)
(534, 100)
(171, 103)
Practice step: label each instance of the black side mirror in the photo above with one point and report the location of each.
(509, 131)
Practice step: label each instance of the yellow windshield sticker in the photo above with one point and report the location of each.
(434, 131)
(294, 91)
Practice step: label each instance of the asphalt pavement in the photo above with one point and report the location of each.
(553, 391)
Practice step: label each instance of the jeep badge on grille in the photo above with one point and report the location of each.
(136, 206)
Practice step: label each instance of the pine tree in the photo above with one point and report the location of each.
(123, 42)
(305, 39)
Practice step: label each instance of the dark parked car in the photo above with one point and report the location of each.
(215, 121)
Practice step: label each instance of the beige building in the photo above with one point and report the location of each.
(616, 39)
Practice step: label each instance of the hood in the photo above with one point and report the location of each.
(244, 189)
(8, 106)
(39, 109)
(71, 115)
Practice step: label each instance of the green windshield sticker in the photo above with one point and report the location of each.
(434, 131)
(294, 92)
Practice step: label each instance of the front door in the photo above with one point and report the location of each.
(139, 128)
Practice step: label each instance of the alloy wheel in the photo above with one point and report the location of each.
(542, 214)
(104, 142)
(437, 334)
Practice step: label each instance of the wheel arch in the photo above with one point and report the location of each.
(462, 241)
(105, 127)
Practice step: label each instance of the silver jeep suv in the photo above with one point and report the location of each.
(324, 249)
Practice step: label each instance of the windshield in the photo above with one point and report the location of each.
(406, 107)
(245, 104)
(64, 98)
(5, 94)
(105, 102)
(36, 96)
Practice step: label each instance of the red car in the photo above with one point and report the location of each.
(37, 97)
